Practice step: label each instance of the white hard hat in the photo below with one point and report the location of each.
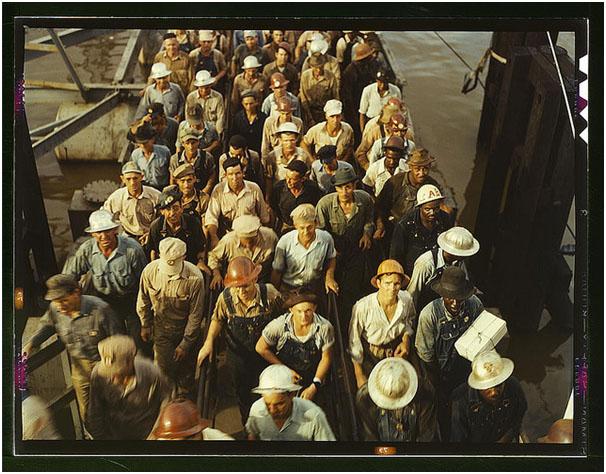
(392, 383)
(458, 241)
(428, 193)
(489, 369)
(206, 35)
(287, 127)
(100, 220)
(203, 78)
(251, 62)
(276, 378)
(159, 70)
(333, 107)
(318, 46)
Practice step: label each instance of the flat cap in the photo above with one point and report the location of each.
(59, 286)
(183, 170)
(131, 167)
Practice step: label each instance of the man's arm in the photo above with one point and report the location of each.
(144, 307)
(96, 413)
(45, 330)
(196, 307)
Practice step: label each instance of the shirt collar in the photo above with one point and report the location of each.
(246, 188)
(119, 250)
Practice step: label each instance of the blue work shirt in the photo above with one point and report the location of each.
(156, 168)
(117, 275)
(80, 333)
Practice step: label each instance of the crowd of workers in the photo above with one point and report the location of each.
(321, 190)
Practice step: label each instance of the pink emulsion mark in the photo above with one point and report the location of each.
(21, 372)
(19, 96)
(582, 377)
(581, 103)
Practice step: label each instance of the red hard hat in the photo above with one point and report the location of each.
(240, 272)
(179, 419)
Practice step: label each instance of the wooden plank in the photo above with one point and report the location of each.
(90, 86)
(47, 48)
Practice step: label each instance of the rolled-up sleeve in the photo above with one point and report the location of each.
(214, 207)
(356, 351)
(272, 332)
(279, 263)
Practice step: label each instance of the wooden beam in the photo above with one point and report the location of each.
(47, 48)
(90, 86)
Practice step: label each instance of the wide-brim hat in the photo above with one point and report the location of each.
(362, 51)
(376, 391)
(482, 383)
(101, 220)
(453, 284)
(446, 241)
(386, 267)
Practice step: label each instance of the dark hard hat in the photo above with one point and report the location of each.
(395, 143)
(179, 419)
(398, 121)
(170, 194)
(560, 432)
(285, 46)
(277, 80)
(284, 105)
(241, 271)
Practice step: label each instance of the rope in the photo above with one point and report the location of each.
(459, 56)
(557, 65)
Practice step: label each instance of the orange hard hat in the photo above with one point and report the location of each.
(241, 271)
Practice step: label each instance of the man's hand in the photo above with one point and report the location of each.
(331, 285)
(217, 281)
(177, 118)
(402, 350)
(295, 376)
(179, 354)
(365, 242)
(205, 352)
(379, 233)
(309, 393)
(143, 239)
(146, 333)
(202, 266)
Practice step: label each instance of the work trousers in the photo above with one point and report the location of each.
(244, 374)
(81, 370)
(181, 373)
